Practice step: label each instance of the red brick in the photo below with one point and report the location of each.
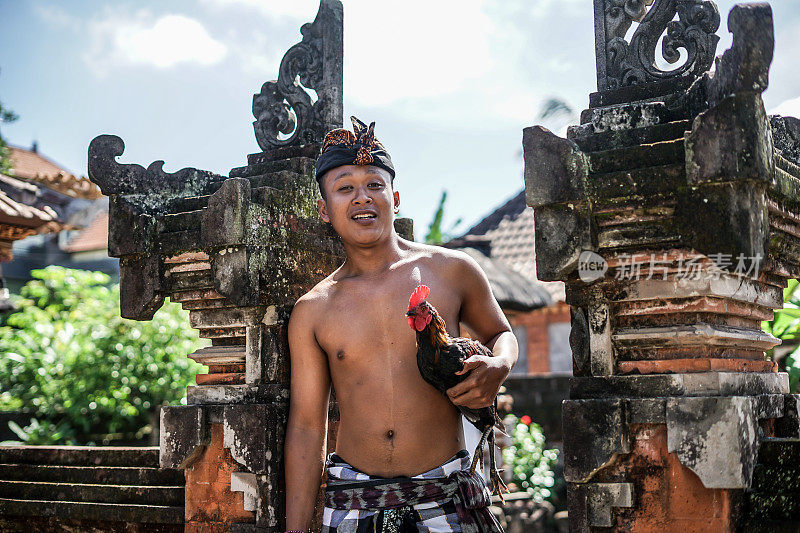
(209, 500)
(667, 366)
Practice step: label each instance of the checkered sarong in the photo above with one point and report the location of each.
(444, 499)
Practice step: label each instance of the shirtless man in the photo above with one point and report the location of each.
(350, 332)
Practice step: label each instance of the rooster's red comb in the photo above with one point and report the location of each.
(419, 294)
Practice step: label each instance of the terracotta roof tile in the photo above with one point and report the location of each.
(94, 237)
(32, 166)
(28, 164)
(510, 230)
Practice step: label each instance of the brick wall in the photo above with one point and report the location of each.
(536, 323)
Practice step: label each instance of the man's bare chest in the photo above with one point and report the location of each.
(369, 317)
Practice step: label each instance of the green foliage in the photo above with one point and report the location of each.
(435, 233)
(531, 464)
(87, 374)
(786, 326)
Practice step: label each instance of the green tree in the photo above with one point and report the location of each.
(6, 116)
(531, 465)
(435, 233)
(786, 326)
(88, 375)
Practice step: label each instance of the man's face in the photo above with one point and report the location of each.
(359, 203)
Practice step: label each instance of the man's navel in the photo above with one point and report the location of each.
(390, 434)
(340, 355)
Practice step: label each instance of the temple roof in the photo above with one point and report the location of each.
(94, 237)
(31, 166)
(509, 233)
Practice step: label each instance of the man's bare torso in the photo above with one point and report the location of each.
(392, 423)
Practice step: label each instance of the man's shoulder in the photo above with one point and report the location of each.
(442, 258)
(314, 301)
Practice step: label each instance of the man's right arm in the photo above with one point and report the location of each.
(306, 431)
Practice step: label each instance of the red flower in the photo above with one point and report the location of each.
(526, 420)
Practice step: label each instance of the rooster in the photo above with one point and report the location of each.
(439, 357)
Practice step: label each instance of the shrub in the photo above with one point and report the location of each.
(531, 464)
(786, 326)
(88, 375)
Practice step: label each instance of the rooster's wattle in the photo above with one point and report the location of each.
(439, 357)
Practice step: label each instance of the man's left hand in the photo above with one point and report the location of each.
(479, 389)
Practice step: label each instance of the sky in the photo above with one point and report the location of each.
(449, 83)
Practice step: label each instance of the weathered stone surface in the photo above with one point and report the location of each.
(555, 168)
(786, 137)
(129, 230)
(563, 232)
(284, 107)
(67, 456)
(149, 188)
(243, 394)
(788, 426)
(103, 512)
(745, 65)
(590, 504)
(234, 276)
(629, 116)
(715, 437)
(183, 435)
(598, 430)
(225, 219)
(730, 142)
(696, 384)
(579, 340)
(254, 434)
(600, 340)
(622, 63)
(725, 219)
(142, 279)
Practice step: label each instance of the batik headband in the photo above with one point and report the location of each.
(357, 147)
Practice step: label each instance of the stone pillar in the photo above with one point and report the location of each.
(237, 252)
(672, 214)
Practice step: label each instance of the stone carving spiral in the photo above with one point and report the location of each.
(284, 111)
(634, 62)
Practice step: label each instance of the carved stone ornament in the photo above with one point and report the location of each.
(621, 63)
(285, 113)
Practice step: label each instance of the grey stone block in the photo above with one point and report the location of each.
(717, 438)
(183, 435)
(555, 168)
(598, 430)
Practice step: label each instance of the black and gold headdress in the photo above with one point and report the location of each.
(357, 147)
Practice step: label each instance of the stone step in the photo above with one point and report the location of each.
(174, 242)
(783, 452)
(113, 512)
(72, 492)
(629, 158)
(776, 479)
(109, 475)
(770, 526)
(80, 455)
(644, 182)
(27, 524)
(768, 505)
(184, 221)
(631, 137)
(191, 203)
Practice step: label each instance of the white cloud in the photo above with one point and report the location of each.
(393, 50)
(417, 48)
(788, 108)
(142, 39)
(296, 9)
